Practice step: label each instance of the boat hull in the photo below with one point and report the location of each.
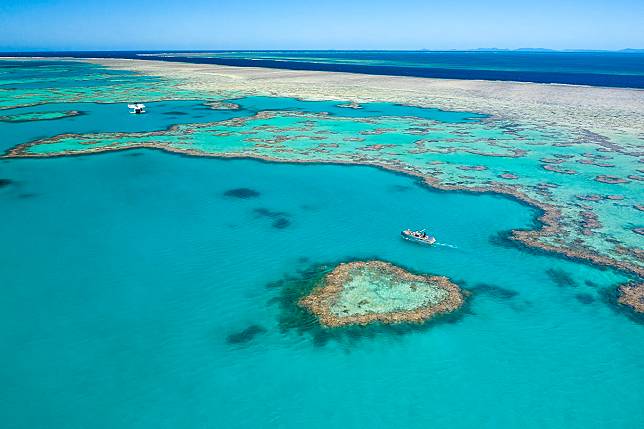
(429, 240)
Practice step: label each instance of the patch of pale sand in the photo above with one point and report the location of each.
(607, 111)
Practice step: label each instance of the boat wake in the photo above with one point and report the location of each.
(451, 246)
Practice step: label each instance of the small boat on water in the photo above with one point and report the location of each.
(418, 236)
(136, 108)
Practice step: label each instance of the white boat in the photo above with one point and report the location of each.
(418, 236)
(136, 108)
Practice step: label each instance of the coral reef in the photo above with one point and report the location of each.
(633, 296)
(358, 293)
(242, 193)
(246, 335)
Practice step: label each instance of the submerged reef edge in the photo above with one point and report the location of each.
(548, 219)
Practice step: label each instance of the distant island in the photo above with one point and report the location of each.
(623, 51)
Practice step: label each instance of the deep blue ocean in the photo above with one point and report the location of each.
(614, 69)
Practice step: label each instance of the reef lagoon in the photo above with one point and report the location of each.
(153, 274)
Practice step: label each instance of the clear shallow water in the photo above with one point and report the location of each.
(105, 117)
(114, 117)
(125, 273)
(58, 74)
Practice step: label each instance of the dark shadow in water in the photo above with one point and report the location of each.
(264, 212)
(294, 318)
(175, 113)
(561, 278)
(493, 291)
(503, 239)
(133, 154)
(5, 182)
(610, 296)
(308, 207)
(281, 223)
(521, 306)
(242, 193)
(460, 282)
(27, 195)
(245, 336)
(585, 298)
(399, 188)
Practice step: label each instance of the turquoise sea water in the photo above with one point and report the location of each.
(142, 289)
(134, 294)
(113, 117)
(96, 117)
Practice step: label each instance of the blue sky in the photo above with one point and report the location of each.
(325, 24)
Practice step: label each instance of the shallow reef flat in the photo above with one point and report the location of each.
(38, 116)
(616, 111)
(574, 152)
(61, 81)
(358, 293)
(633, 296)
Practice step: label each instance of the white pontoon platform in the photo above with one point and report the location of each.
(136, 108)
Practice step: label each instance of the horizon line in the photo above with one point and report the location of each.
(524, 50)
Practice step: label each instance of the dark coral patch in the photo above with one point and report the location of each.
(561, 278)
(611, 297)
(309, 207)
(242, 193)
(27, 195)
(245, 336)
(400, 188)
(493, 290)
(585, 298)
(275, 284)
(281, 223)
(264, 212)
(508, 176)
(611, 180)
(504, 239)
